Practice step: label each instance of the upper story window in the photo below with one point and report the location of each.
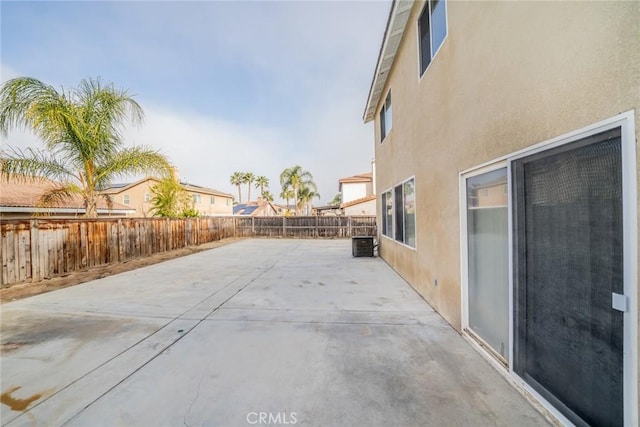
(432, 27)
(385, 118)
(197, 198)
(125, 199)
(213, 200)
(147, 197)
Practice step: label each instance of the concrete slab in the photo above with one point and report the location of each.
(258, 332)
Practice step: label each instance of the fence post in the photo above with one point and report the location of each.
(349, 230)
(284, 226)
(316, 234)
(120, 242)
(36, 275)
(253, 226)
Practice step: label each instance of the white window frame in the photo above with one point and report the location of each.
(212, 200)
(472, 337)
(427, 4)
(126, 200)
(393, 234)
(626, 122)
(147, 197)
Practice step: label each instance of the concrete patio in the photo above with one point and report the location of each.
(257, 332)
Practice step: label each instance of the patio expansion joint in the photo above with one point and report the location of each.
(164, 348)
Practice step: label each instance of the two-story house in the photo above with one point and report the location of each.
(138, 195)
(506, 168)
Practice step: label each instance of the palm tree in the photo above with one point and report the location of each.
(305, 195)
(296, 178)
(248, 179)
(171, 200)
(262, 182)
(287, 194)
(337, 200)
(237, 179)
(82, 133)
(266, 195)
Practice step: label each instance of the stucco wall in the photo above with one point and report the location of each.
(508, 75)
(355, 190)
(365, 208)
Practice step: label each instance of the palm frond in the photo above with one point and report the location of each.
(134, 161)
(57, 195)
(32, 164)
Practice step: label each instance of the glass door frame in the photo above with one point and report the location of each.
(467, 332)
(626, 122)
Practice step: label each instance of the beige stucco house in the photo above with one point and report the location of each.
(138, 195)
(506, 168)
(21, 198)
(358, 194)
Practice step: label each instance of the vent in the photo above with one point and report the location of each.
(362, 246)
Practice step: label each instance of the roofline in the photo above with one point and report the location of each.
(398, 17)
(358, 201)
(188, 186)
(28, 209)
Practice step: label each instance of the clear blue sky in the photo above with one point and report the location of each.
(226, 86)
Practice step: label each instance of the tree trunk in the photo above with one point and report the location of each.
(90, 203)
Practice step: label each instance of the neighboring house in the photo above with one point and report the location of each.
(258, 208)
(358, 194)
(505, 146)
(138, 196)
(20, 199)
(356, 187)
(363, 206)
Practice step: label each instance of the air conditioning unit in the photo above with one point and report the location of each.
(362, 246)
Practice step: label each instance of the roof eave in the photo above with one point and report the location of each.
(396, 24)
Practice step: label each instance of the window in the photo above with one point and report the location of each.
(409, 203)
(387, 214)
(399, 213)
(432, 27)
(213, 200)
(385, 118)
(228, 202)
(197, 198)
(125, 199)
(147, 197)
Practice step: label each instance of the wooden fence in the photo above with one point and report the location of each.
(32, 250)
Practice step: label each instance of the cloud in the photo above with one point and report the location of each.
(226, 86)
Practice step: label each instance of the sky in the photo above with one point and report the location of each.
(250, 86)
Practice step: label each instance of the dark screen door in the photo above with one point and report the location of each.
(568, 261)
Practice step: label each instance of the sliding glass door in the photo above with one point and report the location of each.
(568, 263)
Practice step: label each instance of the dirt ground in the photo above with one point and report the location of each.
(23, 290)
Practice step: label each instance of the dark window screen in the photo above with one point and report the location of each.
(568, 228)
(399, 214)
(425, 39)
(383, 130)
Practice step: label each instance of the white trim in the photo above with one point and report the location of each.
(630, 275)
